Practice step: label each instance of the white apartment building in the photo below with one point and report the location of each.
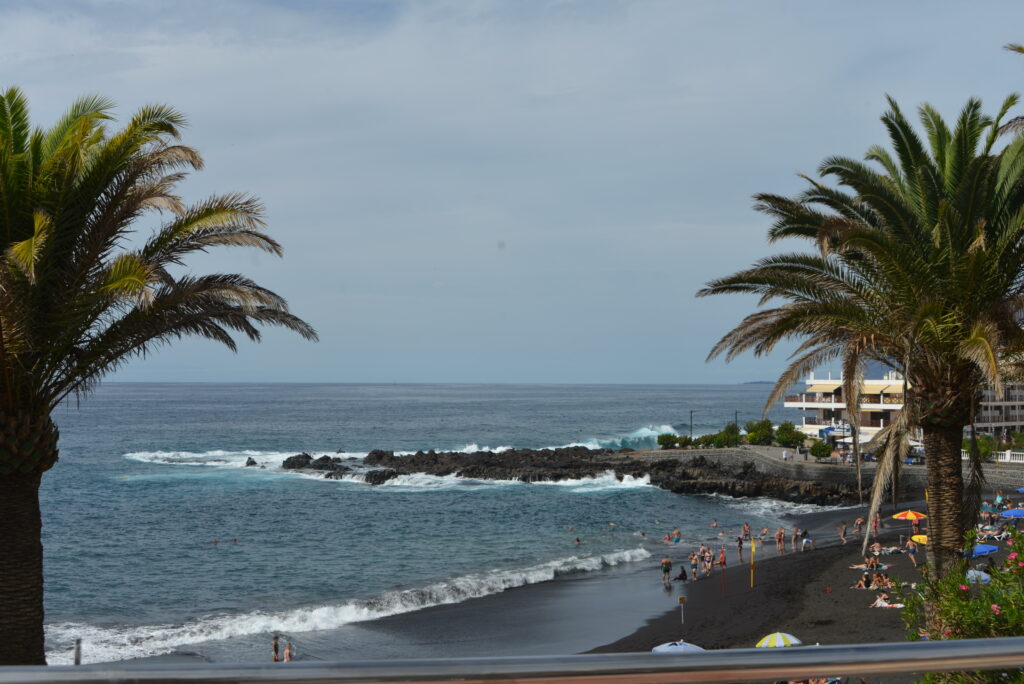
(825, 413)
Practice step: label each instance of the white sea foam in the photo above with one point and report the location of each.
(772, 508)
(603, 482)
(220, 458)
(104, 644)
(642, 438)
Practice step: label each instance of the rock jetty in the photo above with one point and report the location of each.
(694, 475)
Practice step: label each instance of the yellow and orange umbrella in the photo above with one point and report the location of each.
(920, 538)
(912, 516)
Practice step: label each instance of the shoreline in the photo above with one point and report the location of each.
(804, 593)
(619, 609)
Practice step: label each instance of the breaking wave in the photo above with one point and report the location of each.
(105, 644)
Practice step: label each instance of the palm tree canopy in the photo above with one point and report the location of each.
(919, 264)
(80, 291)
(919, 260)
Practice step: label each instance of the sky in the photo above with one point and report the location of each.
(517, 191)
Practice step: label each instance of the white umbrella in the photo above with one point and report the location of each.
(677, 647)
(978, 577)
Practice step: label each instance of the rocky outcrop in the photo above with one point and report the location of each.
(250, 462)
(697, 475)
(331, 465)
(379, 477)
(297, 462)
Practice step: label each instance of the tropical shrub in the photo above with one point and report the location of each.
(683, 441)
(956, 607)
(987, 446)
(760, 432)
(704, 441)
(667, 440)
(821, 449)
(788, 436)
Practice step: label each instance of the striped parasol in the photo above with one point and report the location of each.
(778, 640)
(910, 515)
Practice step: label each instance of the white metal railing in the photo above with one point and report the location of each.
(1007, 456)
(727, 665)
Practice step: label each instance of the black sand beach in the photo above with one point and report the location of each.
(804, 593)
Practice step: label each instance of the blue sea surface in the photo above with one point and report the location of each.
(151, 474)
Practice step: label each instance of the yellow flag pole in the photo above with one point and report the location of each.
(753, 549)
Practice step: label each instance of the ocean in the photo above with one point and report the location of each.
(150, 475)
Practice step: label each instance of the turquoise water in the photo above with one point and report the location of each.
(151, 474)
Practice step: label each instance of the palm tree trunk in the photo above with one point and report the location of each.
(28, 448)
(942, 444)
(855, 427)
(21, 572)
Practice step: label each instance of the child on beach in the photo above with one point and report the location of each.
(780, 541)
(693, 566)
(666, 570)
(721, 558)
(739, 548)
(912, 551)
(842, 531)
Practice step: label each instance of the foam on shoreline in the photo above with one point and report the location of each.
(106, 644)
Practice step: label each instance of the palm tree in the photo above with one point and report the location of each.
(918, 264)
(81, 293)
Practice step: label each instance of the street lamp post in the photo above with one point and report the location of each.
(691, 425)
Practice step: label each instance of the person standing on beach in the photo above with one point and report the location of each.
(693, 566)
(796, 535)
(288, 652)
(666, 570)
(721, 558)
(739, 548)
(842, 531)
(874, 526)
(277, 652)
(780, 541)
(858, 526)
(912, 551)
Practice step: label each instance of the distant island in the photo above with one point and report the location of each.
(759, 382)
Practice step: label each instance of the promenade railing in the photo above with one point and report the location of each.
(1007, 456)
(732, 665)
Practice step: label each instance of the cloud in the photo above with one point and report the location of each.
(610, 147)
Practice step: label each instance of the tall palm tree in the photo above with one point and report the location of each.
(919, 264)
(81, 293)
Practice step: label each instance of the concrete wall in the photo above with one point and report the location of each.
(768, 460)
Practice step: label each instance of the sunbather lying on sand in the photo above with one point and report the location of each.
(882, 601)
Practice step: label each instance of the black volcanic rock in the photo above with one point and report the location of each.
(378, 477)
(250, 462)
(326, 463)
(296, 462)
(698, 475)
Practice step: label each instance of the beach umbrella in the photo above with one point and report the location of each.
(981, 550)
(912, 516)
(1021, 490)
(1013, 513)
(978, 577)
(920, 538)
(777, 640)
(677, 647)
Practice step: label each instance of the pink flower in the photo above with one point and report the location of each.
(963, 587)
(1009, 542)
(996, 609)
(948, 632)
(1020, 565)
(1012, 556)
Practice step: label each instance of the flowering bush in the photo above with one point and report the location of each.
(958, 606)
